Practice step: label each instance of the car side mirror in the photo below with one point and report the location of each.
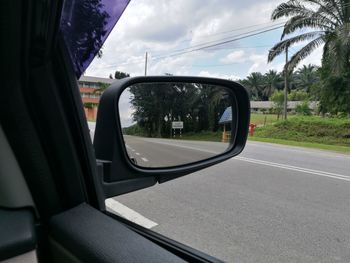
(154, 129)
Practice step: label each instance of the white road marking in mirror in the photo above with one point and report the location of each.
(144, 159)
(186, 147)
(137, 153)
(118, 208)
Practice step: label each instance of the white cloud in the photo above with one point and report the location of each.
(259, 63)
(235, 57)
(162, 27)
(217, 75)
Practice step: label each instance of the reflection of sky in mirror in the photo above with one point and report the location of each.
(125, 109)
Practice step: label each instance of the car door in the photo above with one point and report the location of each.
(44, 125)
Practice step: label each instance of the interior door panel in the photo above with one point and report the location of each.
(17, 233)
(83, 234)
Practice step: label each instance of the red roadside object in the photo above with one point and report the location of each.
(251, 129)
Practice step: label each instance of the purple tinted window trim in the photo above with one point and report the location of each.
(85, 25)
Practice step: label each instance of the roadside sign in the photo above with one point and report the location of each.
(177, 125)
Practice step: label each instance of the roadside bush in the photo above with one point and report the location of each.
(333, 131)
(303, 109)
(298, 95)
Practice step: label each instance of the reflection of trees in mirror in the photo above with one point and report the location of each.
(157, 105)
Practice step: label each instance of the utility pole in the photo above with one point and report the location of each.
(146, 56)
(286, 85)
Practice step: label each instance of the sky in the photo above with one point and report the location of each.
(165, 28)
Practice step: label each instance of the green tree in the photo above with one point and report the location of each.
(318, 22)
(101, 87)
(305, 77)
(334, 92)
(272, 82)
(277, 98)
(121, 75)
(254, 83)
(303, 108)
(198, 106)
(298, 95)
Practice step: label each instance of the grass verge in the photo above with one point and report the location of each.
(261, 119)
(202, 136)
(336, 148)
(313, 129)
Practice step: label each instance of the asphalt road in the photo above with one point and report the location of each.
(272, 203)
(152, 152)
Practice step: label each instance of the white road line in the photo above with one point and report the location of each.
(144, 159)
(294, 168)
(137, 153)
(271, 164)
(118, 208)
(188, 147)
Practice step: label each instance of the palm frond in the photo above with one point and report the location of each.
(299, 22)
(336, 5)
(345, 7)
(281, 46)
(290, 8)
(343, 34)
(326, 8)
(337, 49)
(304, 52)
(330, 20)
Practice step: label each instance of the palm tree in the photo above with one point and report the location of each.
(305, 77)
(325, 22)
(254, 83)
(272, 81)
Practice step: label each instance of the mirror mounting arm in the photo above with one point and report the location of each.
(108, 188)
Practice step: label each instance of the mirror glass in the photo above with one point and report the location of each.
(170, 124)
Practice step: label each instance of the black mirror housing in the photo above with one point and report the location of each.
(120, 173)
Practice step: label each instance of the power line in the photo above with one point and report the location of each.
(225, 38)
(141, 61)
(229, 48)
(237, 29)
(236, 37)
(213, 41)
(217, 44)
(233, 30)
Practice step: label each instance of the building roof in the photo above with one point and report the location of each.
(269, 104)
(226, 117)
(97, 79)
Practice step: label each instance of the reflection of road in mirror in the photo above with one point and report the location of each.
(155, 152)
